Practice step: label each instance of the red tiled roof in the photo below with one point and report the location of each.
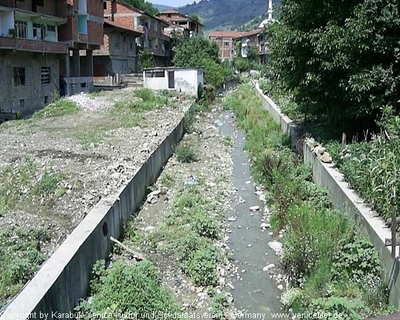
(249, 33)
(169, 11)
(116, 25)
(226, 34)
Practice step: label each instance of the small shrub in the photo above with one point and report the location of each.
(218, 306)
(228, 141)
(124, 288)
(338, 308)
(48, 183)
(147, 95)
(205, 226)
(311, 236)
(356, 260)
(185, 154)
(202, 268)
(57, 108)
(21, 257)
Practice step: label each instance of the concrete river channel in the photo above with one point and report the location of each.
(58, 285)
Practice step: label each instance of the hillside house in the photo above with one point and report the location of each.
(152, 39)
(117, 56)
(30, 52)
(257, 39)
(181, 23)
(226, 42)
(83, 33)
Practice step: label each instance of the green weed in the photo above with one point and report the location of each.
(21, 256)
(58, 108)
(142, 291)
(185, 153)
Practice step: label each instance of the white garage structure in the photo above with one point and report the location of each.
(186, 80)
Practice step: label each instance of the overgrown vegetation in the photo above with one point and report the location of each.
(124, 289)
(200, 52)
(20, 183)
(371, 167)
(185, 153)
(58, 108)
(330, 266)
(21, 255)
(341, 64)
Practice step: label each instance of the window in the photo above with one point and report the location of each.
(21, 103)
(131, 45)
(38, 31)
(117, 41)
(19, 76)
(124, 39)
(45, 71)
(51, 28)
(226, 44)
(104, 5)
(20, 29)
(46, 99)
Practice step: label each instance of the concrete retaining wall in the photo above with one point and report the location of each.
(64, 278)
(344, 198)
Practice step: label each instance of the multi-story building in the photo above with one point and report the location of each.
(181, 23)
(226, 42)
(83, 33)
(247, 40)
(118, 54)
(153, 39)
(30, 52)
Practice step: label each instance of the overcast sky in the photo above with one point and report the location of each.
(172, 3)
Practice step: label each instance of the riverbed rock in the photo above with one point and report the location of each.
(326, 158)
(268, 267)
(265, 226)
(276, 246)
(254, 208)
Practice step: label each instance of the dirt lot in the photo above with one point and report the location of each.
(53, 170)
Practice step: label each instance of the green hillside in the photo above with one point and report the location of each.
(226, 14)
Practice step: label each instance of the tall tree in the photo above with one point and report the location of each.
(341, 59)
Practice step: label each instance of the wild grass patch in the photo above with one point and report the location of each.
(58, 108)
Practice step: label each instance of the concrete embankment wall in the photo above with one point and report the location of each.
(343, 198)
(64, 279)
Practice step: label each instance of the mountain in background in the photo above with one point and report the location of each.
(162, 7)
(227, 14)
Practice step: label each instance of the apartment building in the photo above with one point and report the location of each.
(226, 42)
(30, 52)
(152, 39)
(181, 23)
(256, 38)
(83, 32)
(117, 56)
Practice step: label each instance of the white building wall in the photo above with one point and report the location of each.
(185, 80)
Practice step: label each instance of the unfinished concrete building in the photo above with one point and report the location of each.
(153, 40)
(83, 32)
(30, 52)
(117, 56)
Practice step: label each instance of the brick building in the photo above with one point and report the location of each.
(30, 52)
(181, 23)
(226, 42)
(153, 39)
(83, 32)
(118, 54)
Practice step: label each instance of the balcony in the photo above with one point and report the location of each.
(28, 45)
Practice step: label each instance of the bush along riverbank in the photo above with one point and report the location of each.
(331, 268)
(180, 233)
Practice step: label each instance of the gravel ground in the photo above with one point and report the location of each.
(93, 158)
(212, 176)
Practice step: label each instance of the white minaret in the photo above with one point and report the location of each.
(270, 18)
(270, 11)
